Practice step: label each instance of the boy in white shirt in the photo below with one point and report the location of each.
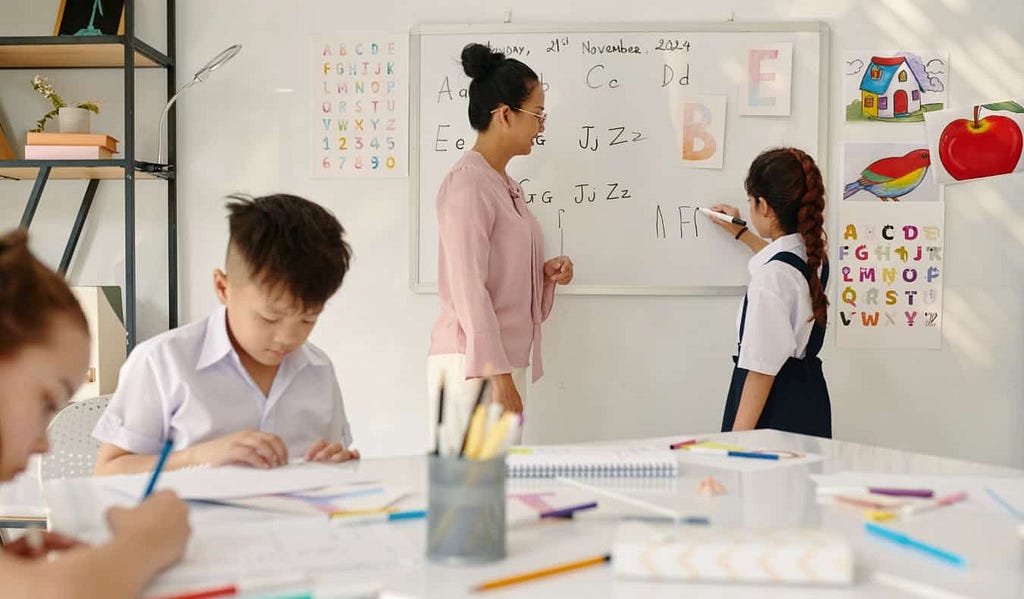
(243, 386)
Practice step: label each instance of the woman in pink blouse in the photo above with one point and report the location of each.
(495, 287)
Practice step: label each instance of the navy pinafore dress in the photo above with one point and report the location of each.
(798, 401)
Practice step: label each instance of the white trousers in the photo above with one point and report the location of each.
(459, 397)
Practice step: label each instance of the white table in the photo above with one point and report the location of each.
(781, 497)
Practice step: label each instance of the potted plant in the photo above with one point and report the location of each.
(70, 119)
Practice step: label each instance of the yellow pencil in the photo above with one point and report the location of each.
(503, 582)
(475, 434)
(496, 436)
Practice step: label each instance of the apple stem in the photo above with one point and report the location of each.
(977, 110)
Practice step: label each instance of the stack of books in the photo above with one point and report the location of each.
(69, 146)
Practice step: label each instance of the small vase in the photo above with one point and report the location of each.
(72, 119)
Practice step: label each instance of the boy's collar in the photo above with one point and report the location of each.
(217, 344)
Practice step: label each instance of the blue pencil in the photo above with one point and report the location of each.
(1005, 504)
(168, 444)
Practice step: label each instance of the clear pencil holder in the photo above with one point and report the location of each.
(466, 510)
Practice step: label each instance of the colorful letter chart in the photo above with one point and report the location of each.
(359, 125)
(888, 274)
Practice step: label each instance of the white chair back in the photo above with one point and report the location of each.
(72, 447)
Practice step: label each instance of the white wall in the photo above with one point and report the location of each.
(616, 366)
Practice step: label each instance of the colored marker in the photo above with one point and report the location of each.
(902, 539)
(731, 453)
(914, 509)
(567, 512)
(853, 490)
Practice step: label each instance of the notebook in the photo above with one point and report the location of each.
(580, 461)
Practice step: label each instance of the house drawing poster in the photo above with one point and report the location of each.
(974, 142)
(887, 172)
(767, 86)
(889, 274)
(359, 110)
(895, 86)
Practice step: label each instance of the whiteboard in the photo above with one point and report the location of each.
(606, 179)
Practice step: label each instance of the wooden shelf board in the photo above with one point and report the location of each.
(40, 54)
(69, 172)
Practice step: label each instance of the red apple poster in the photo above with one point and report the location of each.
(889, 274)
(978, 141)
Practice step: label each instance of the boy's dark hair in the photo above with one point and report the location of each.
(496, 80)
(290, 244)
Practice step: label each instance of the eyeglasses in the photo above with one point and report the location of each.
(542, 117)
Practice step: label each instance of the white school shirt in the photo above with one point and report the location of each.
(778, 323)
(190, 383)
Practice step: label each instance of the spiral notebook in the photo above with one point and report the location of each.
(580, 461)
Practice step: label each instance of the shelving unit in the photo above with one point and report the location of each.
(125, 52)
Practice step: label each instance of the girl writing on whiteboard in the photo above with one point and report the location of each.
(778, 381)
(44, 355)
(495, 286)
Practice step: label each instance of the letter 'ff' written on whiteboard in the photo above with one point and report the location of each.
(644, 128)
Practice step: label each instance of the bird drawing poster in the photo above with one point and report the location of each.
(894, 87)
(888, 249)
(977, 141)
(887, 172)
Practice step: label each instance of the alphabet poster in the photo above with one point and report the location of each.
(769, 76)
(701, 119)
(360, 117)
(888, 274)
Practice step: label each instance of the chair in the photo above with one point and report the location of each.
(72, 447)
(72, 452)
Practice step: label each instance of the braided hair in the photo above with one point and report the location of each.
(789, 180)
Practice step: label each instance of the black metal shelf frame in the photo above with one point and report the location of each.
(132, 47)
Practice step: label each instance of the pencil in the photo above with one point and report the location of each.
(664, 511)
(526, 576)
(440, 418)
(168, 444)
(476, 406)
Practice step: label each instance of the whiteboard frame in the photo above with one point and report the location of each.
(418, 31)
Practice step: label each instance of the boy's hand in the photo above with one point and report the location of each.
(559, 270)
(252, 448)
(47, 542)
(159, 524)
(322, 451)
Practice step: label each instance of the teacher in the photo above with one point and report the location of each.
(495, 287)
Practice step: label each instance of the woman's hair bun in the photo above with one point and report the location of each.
(479, 60)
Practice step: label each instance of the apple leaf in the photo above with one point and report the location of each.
(1007, 105)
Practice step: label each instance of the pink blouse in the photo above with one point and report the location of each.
(490, 272)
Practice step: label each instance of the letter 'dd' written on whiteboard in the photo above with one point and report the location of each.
(641, 133)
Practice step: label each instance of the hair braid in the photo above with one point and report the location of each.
(810, 224)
